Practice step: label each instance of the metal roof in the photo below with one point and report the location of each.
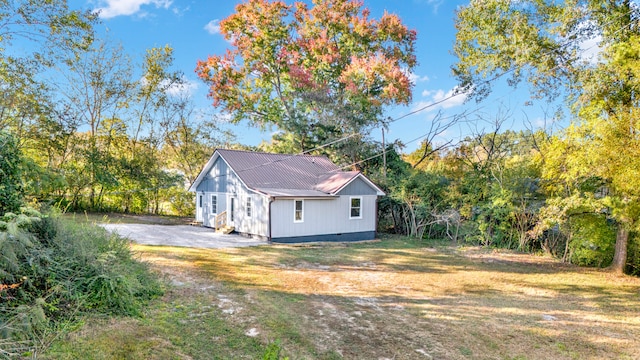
(283, 175)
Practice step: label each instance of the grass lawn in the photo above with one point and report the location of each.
(394, 299)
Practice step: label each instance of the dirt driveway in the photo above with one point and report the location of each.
(181, 235)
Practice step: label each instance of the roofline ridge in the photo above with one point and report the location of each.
(270, 153)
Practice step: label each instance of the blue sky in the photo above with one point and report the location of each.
(190, 27)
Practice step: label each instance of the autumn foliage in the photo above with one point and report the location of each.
(296, 66)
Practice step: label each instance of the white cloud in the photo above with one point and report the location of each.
(213, 27)
(185, 89)
(434, 3)
(440, 99)
(590, 50)
(415, 78)
(451, 98)
(180, 11)
(113, 8)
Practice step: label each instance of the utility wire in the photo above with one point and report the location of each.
(435, 103)
(583, 51)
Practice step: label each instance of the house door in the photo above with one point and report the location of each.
(199, 207)
(232, 211)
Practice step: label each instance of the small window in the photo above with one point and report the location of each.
(298, 213)
(214, 204)
(249, 207)
(232, 209)
(356, 208)
(200, 201)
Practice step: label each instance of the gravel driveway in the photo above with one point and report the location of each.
(181, 235)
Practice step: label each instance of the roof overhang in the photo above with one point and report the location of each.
(296, 194)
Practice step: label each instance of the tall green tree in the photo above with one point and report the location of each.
(318, 71)
(10, 177)
(541, 42)
(99, 90)
(49, 33)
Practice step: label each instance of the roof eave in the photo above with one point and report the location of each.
(316, 197)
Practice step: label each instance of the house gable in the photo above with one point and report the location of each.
(357, 187)
(215, 179)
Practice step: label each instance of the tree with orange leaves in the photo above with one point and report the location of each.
(317, 72)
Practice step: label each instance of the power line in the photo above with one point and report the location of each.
(455, 94)
(435, 103)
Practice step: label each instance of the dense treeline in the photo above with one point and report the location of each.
(491, 190)
(117, 140)
(98, 128)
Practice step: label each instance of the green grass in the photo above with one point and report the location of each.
(398, 298)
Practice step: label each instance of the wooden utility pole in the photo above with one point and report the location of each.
(384, 156)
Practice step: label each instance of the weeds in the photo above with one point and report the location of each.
(273, 351)
(52, 270)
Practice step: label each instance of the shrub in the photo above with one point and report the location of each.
(592, 241)
(52, 270)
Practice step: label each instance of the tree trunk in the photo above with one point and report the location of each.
(620, 256)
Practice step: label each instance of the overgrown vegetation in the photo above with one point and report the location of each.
(490, 190)
(52, 271)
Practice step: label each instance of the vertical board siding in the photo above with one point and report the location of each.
(208, 219)
(257, 224)
(214, 183)
(216, 180)
(358, 187)
(329, 216)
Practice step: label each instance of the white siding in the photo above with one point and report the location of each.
(358, 187)
(216, 180)
(208, 218)
(257, 224)
(330, 216)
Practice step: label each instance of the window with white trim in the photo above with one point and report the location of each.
(214, 204)
(355, 210)
(248, 207)
(298, 210)
(200, 201)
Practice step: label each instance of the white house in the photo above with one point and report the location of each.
(285, 198)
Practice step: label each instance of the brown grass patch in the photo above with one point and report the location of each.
(400, 300)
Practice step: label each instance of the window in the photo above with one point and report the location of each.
(214, 204)
(232, 209)
(356, 208)
(249, 207)
(298, 210)
(200, 201)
